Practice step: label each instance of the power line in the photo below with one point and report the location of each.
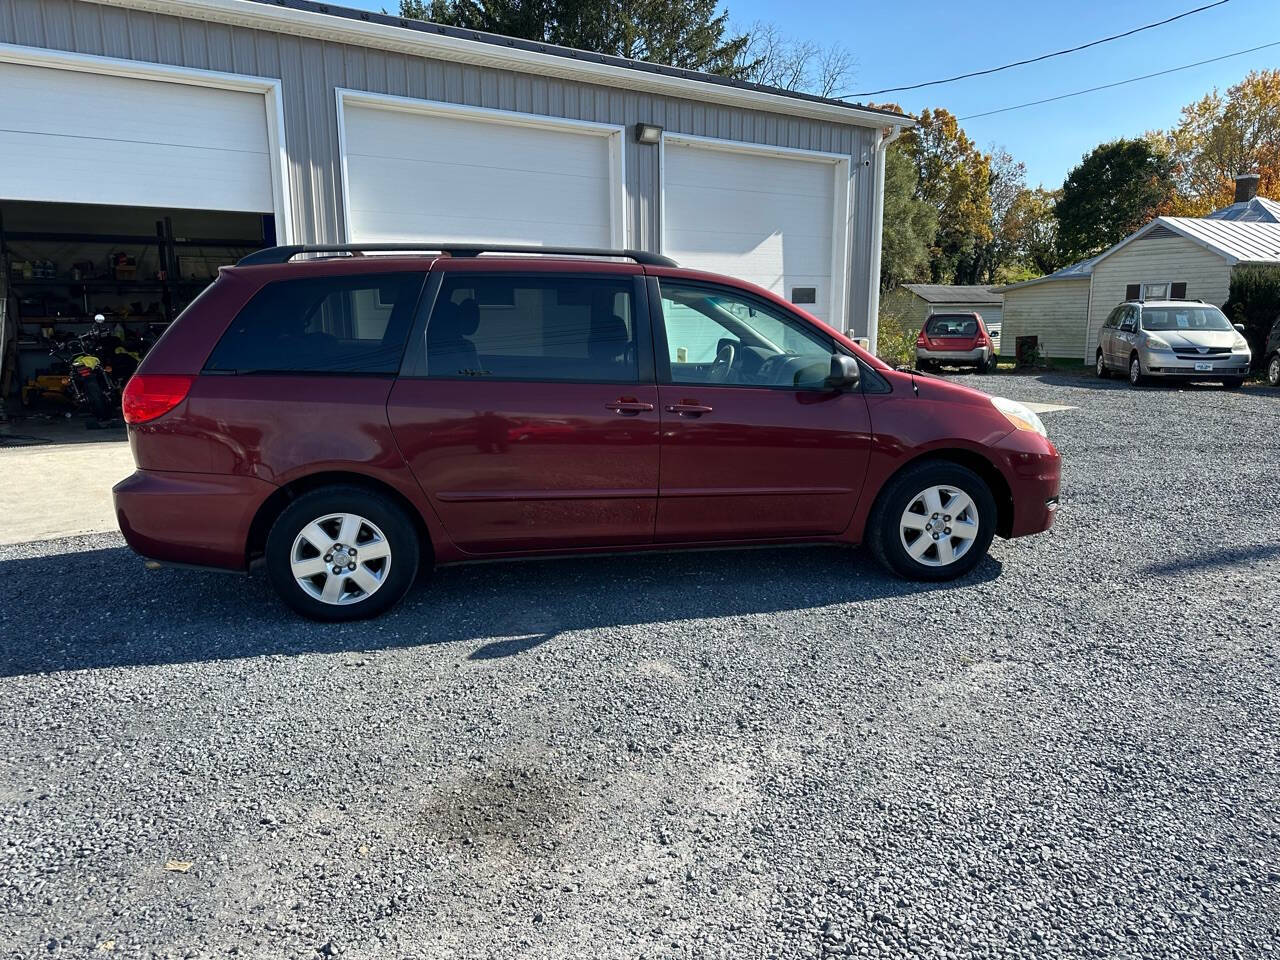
(1045, 56)
(1120, 83)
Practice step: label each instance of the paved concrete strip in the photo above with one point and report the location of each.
(1046, 407)
(59, 490)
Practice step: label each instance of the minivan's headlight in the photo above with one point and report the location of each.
(1240, 345)
(1155, 343)
(1020, 415)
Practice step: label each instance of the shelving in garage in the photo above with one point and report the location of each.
(59, 266)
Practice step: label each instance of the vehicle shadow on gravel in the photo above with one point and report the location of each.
(120, 615)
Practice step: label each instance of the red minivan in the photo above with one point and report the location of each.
(344, 420)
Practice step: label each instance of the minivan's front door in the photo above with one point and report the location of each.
(753, 444)
(527, 409)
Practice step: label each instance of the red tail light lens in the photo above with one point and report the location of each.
(920, 341)
(981, 340)
(153, 395)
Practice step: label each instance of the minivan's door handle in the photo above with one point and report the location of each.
(627, 406)
(688, 408)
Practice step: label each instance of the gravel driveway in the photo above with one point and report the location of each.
(1073, 752)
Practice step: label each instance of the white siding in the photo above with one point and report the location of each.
(1055, 312)
(75, 137)
(763, 217)
(1154, 260)
(427, 176)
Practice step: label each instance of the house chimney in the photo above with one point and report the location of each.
(1247, 187)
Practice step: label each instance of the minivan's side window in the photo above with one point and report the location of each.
(345, 324)
(541, 327)
(716, 335)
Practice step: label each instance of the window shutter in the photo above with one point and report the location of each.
(1178, 291)
(1133, 291)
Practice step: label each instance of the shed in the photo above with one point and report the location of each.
(927, 299)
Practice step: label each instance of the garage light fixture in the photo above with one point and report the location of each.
(648, 133)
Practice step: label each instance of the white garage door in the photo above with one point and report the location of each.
(429, 172)
(74, 137)
(770, 218)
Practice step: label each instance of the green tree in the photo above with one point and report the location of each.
(954, 178)
(910, 224)
(1115, 190)
(1222, 136)
(689, 34)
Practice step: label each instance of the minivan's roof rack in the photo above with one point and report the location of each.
(287, 253)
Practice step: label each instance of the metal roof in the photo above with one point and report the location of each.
(340, 24)
(1259, 210)
(1234, 240)
(947, 293)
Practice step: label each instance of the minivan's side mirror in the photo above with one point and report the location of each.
(1239, 328)
(844, 373)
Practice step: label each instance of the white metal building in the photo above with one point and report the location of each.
(168, 136)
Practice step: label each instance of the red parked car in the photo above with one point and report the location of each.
(956, 340)
(346, 420)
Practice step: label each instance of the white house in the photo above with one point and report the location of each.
(1178, 257)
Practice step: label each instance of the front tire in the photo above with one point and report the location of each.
(934, 521)
(1100, 367)
(1273, 370)
(1136, 377)
(342, 553)
(1233, 383)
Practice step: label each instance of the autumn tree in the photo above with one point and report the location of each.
(954, 178)
(690, 34)
(1007, 181)
(1221, 136)
(1112, 192)
(1032, 229)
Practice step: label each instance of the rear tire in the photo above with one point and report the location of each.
(1100, 367)
(370, 539)
(97, 401)
(900, 531)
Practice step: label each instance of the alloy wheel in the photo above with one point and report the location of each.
(1101, 365)
(1135, 371)
(340, 558)
(1273, 371)
(939, 525)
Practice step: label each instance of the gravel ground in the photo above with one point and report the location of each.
(1073, 752)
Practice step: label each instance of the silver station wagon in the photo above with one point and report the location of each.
(1186, 339)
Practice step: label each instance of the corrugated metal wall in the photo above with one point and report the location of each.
(309, 70)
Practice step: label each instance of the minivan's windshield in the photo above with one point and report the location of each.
(1199, 317)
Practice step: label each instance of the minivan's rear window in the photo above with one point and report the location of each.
(348, 324)
(941, 325)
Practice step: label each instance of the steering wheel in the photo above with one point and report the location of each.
(723, 364)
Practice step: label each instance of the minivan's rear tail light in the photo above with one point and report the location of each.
(147, 396)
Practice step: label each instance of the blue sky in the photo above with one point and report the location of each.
(907, 42)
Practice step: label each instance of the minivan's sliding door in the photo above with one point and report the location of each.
(527, 409)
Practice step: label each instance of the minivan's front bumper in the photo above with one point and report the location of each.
(200, 519)
(1033, 467)
(1169, 364)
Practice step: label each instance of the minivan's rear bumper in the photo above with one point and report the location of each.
(201, 519)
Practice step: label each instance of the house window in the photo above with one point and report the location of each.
(1155, 291)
